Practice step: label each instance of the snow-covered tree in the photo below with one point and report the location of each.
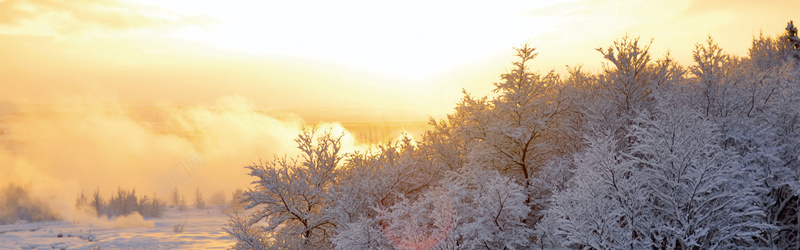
(247, 235)
(553, 178)
(676, 188)
(522, 118)
(447, 140)
(758, 122)
(699, 194)
(516, 132)
(364, 233)
(376, 179)
(602, 205)
(770, 137)
(791, 35)
(473, 209)
(628, 84)
(373, 180)
(491, 210)
(425, 223)
(711, 72)
(290, 197)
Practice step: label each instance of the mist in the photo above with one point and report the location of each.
(78, 144)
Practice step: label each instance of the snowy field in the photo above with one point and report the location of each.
(203, 230)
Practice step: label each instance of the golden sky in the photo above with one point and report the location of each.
(335, 60)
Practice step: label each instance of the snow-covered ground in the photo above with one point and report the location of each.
(203, 230)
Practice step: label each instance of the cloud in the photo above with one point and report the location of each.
(81, 143)
(98, 141)
(72, 15)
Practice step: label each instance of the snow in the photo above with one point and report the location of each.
(203, 231)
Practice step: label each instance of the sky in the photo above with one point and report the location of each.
(114, 93)
(336, 60)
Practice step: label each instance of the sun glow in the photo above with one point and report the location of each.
(410, 39)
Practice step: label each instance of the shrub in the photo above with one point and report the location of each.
(199, 201)
(151, 207)
(125, 202)
(16, 204)
(178, 228)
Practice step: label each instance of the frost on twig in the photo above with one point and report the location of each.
(791, 35)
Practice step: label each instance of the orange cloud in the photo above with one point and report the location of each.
(80, 14)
